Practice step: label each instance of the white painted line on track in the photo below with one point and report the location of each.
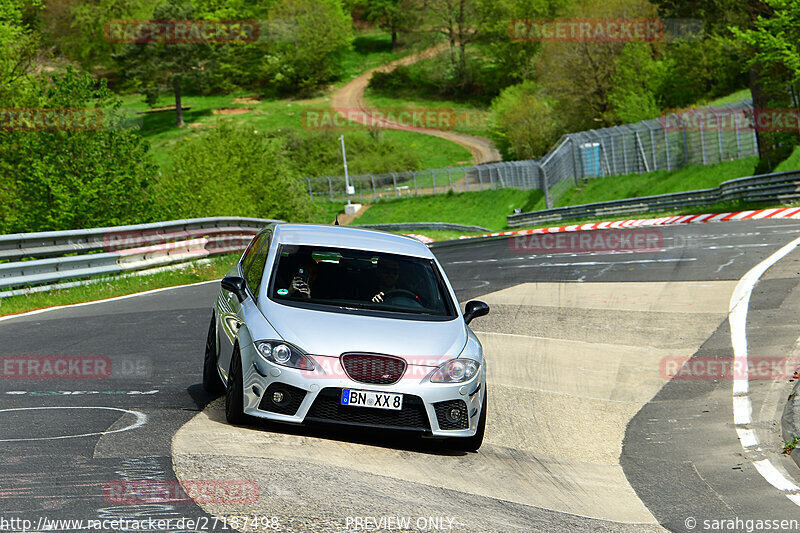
(742, 408)
(115, 298)
(141, 419)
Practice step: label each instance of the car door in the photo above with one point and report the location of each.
(232, 313)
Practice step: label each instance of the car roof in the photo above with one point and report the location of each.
(346, 237)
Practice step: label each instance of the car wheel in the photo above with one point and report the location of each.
(471, 444)
(211, 381)
(234, 394)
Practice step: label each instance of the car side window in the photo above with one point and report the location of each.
(253, 265)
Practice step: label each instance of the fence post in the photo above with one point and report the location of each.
(624, 154)
(466, 179)
(433, 175)
(719, 136)
(547, 200)
(374, 190)
(666, 141)
(738, 140)
(480, 179)
(330, 186)
(450, 175)
(685, 145)
(414, 176)
(653, 148)
(575, 153)
(491, 179)
(702, 138)
(614, 155)
(310, 192)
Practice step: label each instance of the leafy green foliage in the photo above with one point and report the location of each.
(636, 84)
(20, 47)
(524, 125)
(55, 180)
(310, 38)
(232, 171)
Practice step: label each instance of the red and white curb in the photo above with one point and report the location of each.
(781, 212)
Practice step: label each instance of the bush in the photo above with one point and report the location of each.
(232, 171)
(523, 123)
(57, 180)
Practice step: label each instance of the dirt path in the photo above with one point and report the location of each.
(351, 97)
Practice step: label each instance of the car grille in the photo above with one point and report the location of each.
(373, 368)
(442, 408)
(328, 408)
(292, 398)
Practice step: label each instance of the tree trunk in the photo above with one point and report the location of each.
(394, 39)
(178, 106)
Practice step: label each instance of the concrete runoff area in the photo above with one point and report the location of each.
(561, 395)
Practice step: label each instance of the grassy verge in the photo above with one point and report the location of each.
(215, 268)
(485, 208)
(651, 183)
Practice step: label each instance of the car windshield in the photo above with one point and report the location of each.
(353, 280)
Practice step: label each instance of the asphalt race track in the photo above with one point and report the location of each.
(586, 428)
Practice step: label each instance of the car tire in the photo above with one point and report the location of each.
(211, 380)
(472, 444)
(234, 394)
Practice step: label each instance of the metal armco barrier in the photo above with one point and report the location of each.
(40, 259)
(777, 187)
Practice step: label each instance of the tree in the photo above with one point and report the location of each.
(580, 74)
(75, 178)
(392, 15)
(461, 22)
(309, 39)
(733, 19)
(637, 84)
(20, 51)
(154, 68)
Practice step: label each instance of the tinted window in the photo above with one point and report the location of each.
(255, 261)
(346, 280)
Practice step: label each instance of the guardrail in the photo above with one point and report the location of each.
(777, 187)
(421, 226)
(37, 261)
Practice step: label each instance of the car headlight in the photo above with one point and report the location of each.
(283, 354)
(456, 371)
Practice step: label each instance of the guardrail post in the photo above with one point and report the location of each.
(374, 190)
(330, 186)
(433, 175)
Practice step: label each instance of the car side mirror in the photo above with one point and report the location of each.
(236, 285)
(474, 309)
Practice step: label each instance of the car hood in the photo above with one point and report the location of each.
(328, 333)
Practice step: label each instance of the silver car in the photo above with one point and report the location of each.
(347, 326)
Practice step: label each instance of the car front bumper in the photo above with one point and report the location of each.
(315, 397)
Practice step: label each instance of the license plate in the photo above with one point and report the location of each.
(380, 400)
